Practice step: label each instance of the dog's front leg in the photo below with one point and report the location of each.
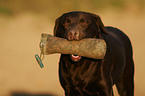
(71, 92)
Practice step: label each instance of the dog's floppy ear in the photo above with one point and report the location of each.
(99, 23)
(56, 27)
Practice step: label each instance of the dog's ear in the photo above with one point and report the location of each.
(99, 23)
(56, 27)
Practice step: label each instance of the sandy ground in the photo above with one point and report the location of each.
(20, 37)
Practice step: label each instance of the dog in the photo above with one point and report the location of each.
(82, 76)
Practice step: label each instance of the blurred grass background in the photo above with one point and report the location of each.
(54, 8)
(23, 21)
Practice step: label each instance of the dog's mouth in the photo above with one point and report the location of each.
(75, 58)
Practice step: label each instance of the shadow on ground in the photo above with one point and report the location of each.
(28, 94)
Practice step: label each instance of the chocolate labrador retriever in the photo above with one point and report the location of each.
(82, 76)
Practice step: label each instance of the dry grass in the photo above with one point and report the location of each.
(19, 39)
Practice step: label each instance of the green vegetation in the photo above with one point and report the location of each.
(5, 11)
(56, 7)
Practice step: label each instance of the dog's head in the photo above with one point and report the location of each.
(78, 25)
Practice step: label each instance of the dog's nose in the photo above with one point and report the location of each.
(73, 35)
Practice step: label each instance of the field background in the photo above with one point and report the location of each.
(21, 25)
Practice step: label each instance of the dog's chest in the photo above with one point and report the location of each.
(82, 75)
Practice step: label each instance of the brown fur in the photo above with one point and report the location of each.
(95, 77)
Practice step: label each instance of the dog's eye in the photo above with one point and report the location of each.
(67, 22)
(84, 22)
